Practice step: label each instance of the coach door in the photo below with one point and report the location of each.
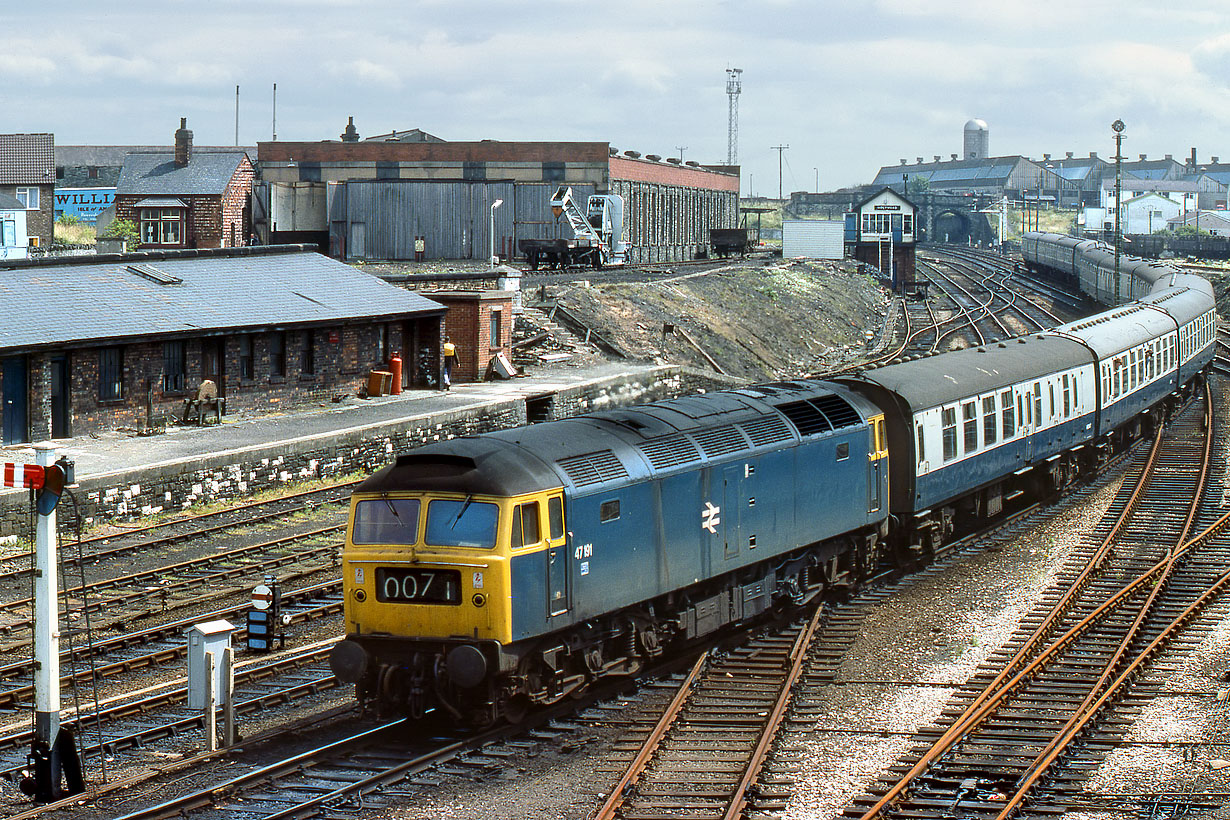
(13, 394)
(558, 599)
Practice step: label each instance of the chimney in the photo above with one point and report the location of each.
(1069, 153)
(937, 157)
(1193, 165)
(1093, 155)
(1216, 160)
(1046, 157)
(1144, 157)
(920, 160)
(954, 157)
(183, 144)
(903, 162)
(351, 134)
(1170, 156)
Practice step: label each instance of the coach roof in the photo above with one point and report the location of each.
(961, 374)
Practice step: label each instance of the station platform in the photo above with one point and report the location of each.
(123, 475)
(117, 451)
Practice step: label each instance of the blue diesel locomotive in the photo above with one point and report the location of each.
(489, 574)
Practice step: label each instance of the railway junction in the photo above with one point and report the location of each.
(904, 666)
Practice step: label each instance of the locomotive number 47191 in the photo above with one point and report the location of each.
(423, 586)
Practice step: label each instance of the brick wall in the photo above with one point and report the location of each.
(235, 223)
(175, 486)
(39, 222)
(343, 357)
(210, 218)
(468, 325)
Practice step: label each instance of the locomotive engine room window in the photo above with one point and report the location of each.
(609, 511)
(948, 418)
(555, 517)
(386, 521)
(525, 524)
(843, 451)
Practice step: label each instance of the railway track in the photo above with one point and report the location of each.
(1142, 580)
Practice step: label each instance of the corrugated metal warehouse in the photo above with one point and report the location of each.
(372, 200)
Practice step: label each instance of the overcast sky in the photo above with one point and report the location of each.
(849, 86)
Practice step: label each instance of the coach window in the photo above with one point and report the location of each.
(1067, 395)
(922, 450)
(948, 418)
(525, 524)
(1008, 419)
(988, 420)
(1038, 404)
(969, 417)
(1050, 400)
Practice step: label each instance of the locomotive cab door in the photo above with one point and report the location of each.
(559, 599)
(877, 464)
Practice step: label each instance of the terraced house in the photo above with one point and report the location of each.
(28, 174)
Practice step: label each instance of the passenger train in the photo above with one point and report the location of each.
(489, 574)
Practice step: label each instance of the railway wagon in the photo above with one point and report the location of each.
(487, 574)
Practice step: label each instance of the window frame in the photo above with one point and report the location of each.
(162, 226)
(110, 375)
(174, 366)
(277, 354)
(948, 427)
(28, 196)
(247, 357)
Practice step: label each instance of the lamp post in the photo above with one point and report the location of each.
(1117, 126)
(817, 170)
(494, 205)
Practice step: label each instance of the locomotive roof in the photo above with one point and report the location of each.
(627, 444)
(950, 377)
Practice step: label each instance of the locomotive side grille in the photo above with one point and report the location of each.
(806, 418)
(592, 468)
(670, 452)
(767, 430)
(837, 410)
(720, 440)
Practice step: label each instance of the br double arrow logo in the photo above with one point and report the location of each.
(710, 517)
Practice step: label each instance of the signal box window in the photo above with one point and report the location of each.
(525, 524)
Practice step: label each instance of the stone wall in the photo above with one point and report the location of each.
(176, 486)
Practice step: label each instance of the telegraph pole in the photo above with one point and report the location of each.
(779, 149)
(1117, 126)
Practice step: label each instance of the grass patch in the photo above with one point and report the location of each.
(72, 231)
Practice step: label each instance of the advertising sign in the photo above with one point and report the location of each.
(84, 203)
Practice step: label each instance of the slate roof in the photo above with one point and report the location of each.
(43, 305)
(207, 172)
(112, 156)
(27, 159)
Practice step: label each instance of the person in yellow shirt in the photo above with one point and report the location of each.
(450, 361)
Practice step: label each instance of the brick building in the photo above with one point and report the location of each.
(479, 323)
(27, 173)
(186, 198)
(375, 199)
(95, 343)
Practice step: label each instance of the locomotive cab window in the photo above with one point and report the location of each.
(525, 525)
(386, 521)
(555, 517)
(609, 511)
(467, 523)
